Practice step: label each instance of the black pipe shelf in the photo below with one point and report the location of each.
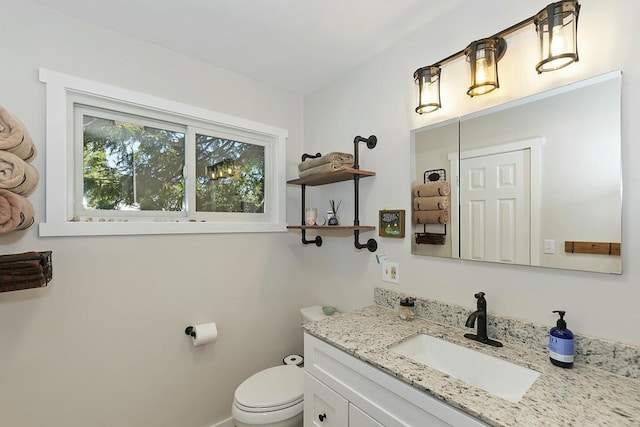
(348, 174)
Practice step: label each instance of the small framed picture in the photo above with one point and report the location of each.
(391, 223)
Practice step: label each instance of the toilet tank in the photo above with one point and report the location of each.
(312, 314)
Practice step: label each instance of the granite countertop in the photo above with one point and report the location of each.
(581, 396)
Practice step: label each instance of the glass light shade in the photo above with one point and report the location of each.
(557, 26)
(428, 81)
(483, 56)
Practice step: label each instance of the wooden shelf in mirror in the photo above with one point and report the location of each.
(330, 177)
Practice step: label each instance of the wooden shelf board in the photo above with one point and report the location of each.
(332, 227)
(330, 177)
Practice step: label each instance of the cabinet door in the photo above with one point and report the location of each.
(323, 407)
(357, 418)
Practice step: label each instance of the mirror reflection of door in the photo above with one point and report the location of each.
(495, 214)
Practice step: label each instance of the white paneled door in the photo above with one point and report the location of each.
(495, 207)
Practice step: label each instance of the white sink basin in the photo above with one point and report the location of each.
(496, 376)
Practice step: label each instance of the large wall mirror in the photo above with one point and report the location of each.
(535, 182)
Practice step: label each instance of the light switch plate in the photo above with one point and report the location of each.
(391, 272)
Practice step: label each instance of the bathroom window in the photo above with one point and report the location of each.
(129, 163)
(232, 177)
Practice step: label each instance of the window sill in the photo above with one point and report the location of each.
(69, 229)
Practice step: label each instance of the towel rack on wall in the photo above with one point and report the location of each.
(431, 238)
(25, 271)
(348, 173)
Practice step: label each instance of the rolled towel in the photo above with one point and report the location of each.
(23, 262)
(14, 137)
(327, 167)
(16, 212)
(429, 189)
(333, 157)
(430, 217)
(10, 281)
(430, 203)
(17, 175)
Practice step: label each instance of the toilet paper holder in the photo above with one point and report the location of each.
(204, 333)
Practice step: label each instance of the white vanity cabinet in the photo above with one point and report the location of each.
(341, 390)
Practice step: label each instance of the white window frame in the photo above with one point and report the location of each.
(63, 89)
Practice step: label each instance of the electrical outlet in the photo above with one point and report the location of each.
(549, 246)
(391, 272)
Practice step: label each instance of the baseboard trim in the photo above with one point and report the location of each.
(224, 423)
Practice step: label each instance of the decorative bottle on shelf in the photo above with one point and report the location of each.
(561, 344)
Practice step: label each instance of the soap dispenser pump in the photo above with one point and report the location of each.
(561, 345)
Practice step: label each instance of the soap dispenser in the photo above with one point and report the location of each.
(561, 348)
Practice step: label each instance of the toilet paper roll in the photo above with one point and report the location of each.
(293, 359)
(204, 333)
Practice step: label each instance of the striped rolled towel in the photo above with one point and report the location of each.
(335, 158)
(430, 217)
(17, 175)
(16, 212)
(14, 137)
(327, 167)
(430, 203)
(429, 189)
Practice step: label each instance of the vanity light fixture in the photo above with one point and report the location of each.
(483, 56)
(428, 81)
(220, 170)
(557, 26)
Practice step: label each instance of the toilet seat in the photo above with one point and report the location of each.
(272, 389)
(291, 416)
(269, 409)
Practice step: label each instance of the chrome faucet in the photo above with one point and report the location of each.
(481, 316)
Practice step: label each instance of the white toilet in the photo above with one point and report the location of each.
(273, 397)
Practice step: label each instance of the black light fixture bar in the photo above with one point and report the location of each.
(556, 25)
(501, 34)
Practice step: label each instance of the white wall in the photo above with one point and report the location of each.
(379, 98)
(104, 343)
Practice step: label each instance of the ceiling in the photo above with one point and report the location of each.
(295, 45)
